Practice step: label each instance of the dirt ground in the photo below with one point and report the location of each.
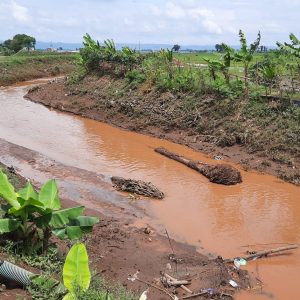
(157, 115)
(117, 249)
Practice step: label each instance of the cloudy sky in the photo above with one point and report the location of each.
(187, 22)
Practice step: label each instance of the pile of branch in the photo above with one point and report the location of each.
(220, 173)
(265, 253)
(137, 187)
(169, 281)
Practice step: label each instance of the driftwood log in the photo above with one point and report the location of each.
(137, 187)
(265, 253)
(220, 173)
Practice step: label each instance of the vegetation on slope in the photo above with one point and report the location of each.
(30, 65)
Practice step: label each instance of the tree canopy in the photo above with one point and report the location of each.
(19, 42)
(176, 47)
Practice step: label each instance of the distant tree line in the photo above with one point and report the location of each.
(17, 43)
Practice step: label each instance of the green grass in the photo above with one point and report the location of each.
(7, 61)
(33, 65)
(199, 58)
(50, 266)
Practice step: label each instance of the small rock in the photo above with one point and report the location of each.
(147, 230)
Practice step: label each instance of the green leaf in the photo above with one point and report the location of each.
(28, 192)
(60, 233)
(7, 191)
(76, 271)
(49, 195)
(62, 217)
(32, 203)
(69, 296)
(43, 220)
(74, 232)
(8, 225)
(85, 221)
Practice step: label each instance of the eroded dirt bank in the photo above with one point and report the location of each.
(116, 248)
(174, 118)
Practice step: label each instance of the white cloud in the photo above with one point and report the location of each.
(212, 27)
(151, 21)
(20, 13)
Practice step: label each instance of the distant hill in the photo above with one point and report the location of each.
(153, 47)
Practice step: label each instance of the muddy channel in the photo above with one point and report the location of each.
(262, 212)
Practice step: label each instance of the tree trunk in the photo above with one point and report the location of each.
(221, 174)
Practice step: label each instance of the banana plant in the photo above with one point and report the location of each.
(76, 272)
(269, 76)
(293, 47)
(110, 47)
(90, 43)
(222, 65)
(246, 55)
(34, 217)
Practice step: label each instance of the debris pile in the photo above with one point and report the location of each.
(137, 187)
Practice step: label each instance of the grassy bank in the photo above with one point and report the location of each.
(26, 66)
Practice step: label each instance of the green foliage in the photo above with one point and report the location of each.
(107, 59)
(91, 44)
(76, 273)
(50, 263)
(167, 55)
(19, 42)
(223, 64)
(232, 90)
(293, 47)
(246, 55)
(33, 217)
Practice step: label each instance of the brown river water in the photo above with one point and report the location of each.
(262, 211)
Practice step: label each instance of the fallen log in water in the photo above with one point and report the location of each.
(265, 253)
(137, 187)
(221, 173)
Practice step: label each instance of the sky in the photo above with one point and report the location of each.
(186, 22)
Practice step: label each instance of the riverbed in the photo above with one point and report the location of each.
(263, 212)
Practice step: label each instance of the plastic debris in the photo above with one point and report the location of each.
(238, 262)
(144, 296)
(208, 291)
(133, 277)
(233, 283)
(218, 157)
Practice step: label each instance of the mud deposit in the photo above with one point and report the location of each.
(260, 213)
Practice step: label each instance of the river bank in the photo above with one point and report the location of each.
(27, 66)
(201, 124)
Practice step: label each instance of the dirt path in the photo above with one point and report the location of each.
(93, 102)
(116, 248)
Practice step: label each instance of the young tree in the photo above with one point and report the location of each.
(245, 56)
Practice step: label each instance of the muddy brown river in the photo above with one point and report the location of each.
(262, 212)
